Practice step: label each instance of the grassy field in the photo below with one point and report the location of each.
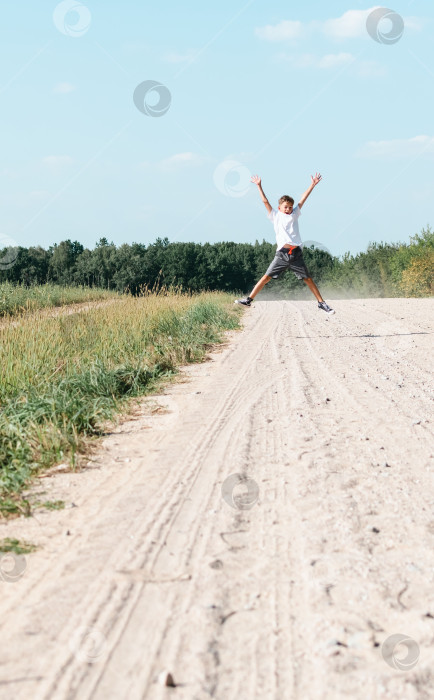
(62, 377)
(18, 299)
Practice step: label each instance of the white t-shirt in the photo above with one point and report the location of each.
(286, 227)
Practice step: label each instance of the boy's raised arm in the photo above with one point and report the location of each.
(315, 179)
(257, 181)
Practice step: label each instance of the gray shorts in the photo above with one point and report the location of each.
(284, 261)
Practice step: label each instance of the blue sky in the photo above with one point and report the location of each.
(280, 89)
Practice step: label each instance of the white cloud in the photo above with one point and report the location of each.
(364, 69)
(175, 57)
(175, 162)
(136, 47)
(371, 69)
(57, 163)
(287, 29)
(333, 60)
(63, 88)
(180, 160)
(350, 25)
(397, 148)
(302, 60)
(309, 60)
(413, 23)
(39, 195)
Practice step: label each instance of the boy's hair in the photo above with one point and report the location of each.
(285, 198)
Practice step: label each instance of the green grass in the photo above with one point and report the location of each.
(14, 505)
(52, 505)
(12, 545)
(19, 299)
(62, 378)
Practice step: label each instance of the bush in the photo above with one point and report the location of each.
(418, 279)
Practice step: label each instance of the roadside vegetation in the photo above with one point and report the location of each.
(62, 377)
(16, 299)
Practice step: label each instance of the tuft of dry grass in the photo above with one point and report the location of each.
(19, 299)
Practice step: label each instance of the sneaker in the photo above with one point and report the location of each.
(247, 301)
(325, 307)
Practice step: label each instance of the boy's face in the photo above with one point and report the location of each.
(286, 207)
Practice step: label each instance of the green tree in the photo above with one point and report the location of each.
(63, 260)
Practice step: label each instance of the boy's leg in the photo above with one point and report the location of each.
(298, 266)
(257, 288)
(313, 288)
(259, 285)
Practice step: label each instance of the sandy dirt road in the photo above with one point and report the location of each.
(287, 587)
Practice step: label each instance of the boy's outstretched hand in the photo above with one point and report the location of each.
(257, 181)
(315, 179)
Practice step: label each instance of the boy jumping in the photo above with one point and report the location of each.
(289, 254)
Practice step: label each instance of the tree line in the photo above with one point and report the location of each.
(384, 269)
